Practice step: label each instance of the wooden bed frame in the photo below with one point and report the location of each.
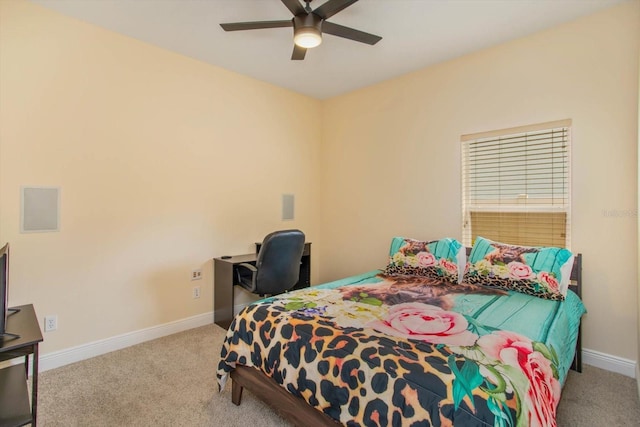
(300, 413)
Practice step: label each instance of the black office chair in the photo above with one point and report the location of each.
(277, 268)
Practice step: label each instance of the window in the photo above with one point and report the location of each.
(516, 185)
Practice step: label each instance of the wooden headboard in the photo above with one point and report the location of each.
(576, 276)
(576, 286)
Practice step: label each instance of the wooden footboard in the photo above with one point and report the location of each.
(291, 408)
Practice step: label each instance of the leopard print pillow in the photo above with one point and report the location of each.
(543, 272)
(442, 259)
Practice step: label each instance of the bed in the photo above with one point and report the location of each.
(415, 345)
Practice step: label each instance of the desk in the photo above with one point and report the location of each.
(14, 396)
(225, 277)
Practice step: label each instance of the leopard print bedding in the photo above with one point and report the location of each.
(369, 361)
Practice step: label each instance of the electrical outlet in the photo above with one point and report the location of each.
(196, 292)
(50, 323)
(196, 274)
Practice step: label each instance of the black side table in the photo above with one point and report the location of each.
(14, 395)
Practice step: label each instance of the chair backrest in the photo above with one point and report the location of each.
(278, 262)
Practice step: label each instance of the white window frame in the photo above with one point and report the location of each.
(521, 203)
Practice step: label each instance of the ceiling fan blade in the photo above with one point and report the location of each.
(298, 53)
(349, 33)
(332, 7)
(294, 6)
(255, 25)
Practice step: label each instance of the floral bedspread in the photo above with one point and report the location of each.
(398, 351)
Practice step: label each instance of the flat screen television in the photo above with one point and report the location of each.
(4, 297)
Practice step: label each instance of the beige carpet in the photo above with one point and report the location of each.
(171, 382)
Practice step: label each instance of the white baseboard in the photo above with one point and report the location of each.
(638, 377)
(610, 363)
(85, 351)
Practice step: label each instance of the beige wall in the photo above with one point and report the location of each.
(391, 155)
(638, 365)
(163, 162)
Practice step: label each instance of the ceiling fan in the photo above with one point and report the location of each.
(308, 25)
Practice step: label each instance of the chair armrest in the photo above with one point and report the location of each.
(247, 276)
(248, 266)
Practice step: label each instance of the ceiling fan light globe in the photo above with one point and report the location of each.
(307, 37)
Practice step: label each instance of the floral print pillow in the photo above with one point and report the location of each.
(539, 271)
(442, 259)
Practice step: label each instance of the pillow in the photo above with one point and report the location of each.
(539, 271)
(442, 259)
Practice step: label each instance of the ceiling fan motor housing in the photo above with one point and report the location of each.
(307, 30)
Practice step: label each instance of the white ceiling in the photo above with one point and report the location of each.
(415, 34)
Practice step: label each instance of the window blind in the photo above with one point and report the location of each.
(516, 185)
